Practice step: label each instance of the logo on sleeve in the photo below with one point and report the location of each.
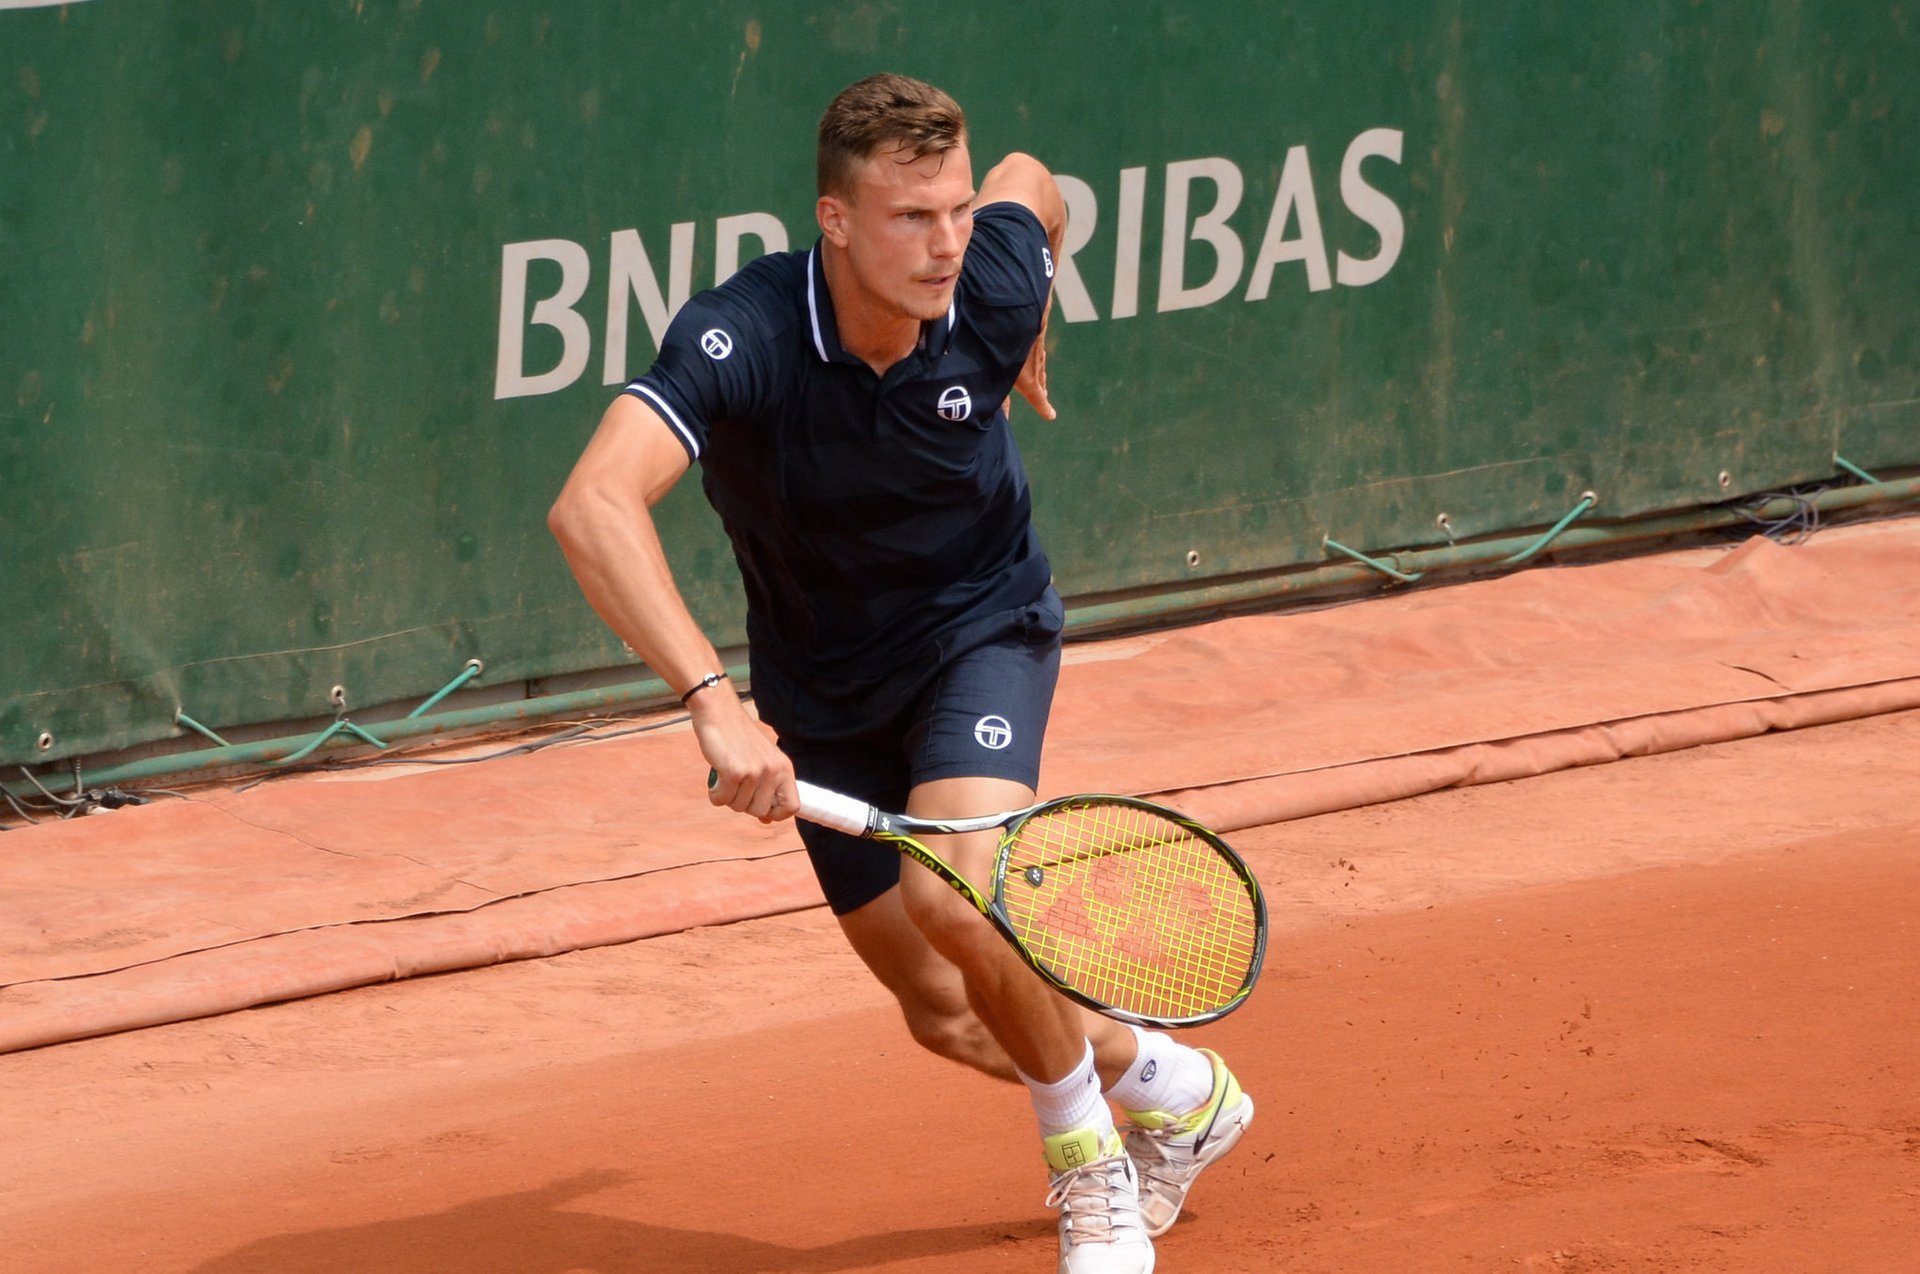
(955, 403)
(1046, 259)
(716, 343)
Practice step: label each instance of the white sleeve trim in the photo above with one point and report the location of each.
(669, 415)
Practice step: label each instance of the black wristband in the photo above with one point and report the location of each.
(707, 682)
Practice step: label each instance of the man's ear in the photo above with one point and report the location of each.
(831, 212)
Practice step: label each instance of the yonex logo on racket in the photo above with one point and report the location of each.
(956, 404)
(716, 343)
(993, 733)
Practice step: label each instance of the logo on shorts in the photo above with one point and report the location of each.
(1046, 259)
(1147, 1073)
(993, 733)
(716, 343)
(956, 403)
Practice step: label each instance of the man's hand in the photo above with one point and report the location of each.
(1032, 383)
(751, 774)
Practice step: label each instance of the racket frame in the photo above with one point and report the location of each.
(857, 818)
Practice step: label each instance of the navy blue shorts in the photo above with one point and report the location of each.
(978, 711)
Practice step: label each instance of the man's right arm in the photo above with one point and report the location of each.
(603, 520)
(1024, 180)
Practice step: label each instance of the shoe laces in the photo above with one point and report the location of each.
(1163, 1154)
(1098, 1201)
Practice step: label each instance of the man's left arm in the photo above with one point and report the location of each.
(1024, 180)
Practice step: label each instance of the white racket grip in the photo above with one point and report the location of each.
(831, 809)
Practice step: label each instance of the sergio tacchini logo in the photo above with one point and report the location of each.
(955, 403)
(993, 733)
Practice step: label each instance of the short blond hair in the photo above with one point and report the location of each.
(884, 112)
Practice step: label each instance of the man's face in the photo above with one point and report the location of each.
(905, 228)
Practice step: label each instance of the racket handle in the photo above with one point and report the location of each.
(827, 808)
(831, 809)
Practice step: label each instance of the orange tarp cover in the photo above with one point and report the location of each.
(319, 882)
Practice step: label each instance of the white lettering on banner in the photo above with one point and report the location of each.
(1372, 207)
(1083, 214)
(728, 231)
(1210, 228)
(509, 375)
(1126, 248)
(633, 278)
(1292, 199)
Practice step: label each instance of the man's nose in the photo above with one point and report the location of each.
(948, 239)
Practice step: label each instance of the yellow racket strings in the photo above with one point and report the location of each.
(1132, 908)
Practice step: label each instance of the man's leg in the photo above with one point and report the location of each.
(1185, 1108)
(1046, 1036)
(931, 992)
(1042, 1032)
(933, 996)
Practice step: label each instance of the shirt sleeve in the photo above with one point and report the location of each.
(1008, 277)
(710, 368)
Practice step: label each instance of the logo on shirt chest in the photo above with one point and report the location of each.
(956, 403)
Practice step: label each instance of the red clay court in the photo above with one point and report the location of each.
(1593, 893)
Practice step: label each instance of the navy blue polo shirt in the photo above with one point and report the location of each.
(869, 515)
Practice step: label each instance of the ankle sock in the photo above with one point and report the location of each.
(1166, 1076)
(1071, 1102)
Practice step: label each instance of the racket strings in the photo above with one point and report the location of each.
(1132, 908)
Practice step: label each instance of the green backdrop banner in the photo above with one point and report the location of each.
(309, 306)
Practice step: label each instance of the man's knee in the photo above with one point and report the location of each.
(941, 1026)
(929, 988)
(946, 1026)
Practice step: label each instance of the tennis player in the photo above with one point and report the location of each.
(847, 406)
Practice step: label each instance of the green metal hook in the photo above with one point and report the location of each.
(468, 673)
(1842, 462)
(1587, 500)
(1384, 568)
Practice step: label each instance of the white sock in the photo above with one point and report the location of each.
(1071, 1102)
(1166, 1076)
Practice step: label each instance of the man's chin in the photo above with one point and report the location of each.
(928, 308)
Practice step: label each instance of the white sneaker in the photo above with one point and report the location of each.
(1098, 1195)
(1172, 1150)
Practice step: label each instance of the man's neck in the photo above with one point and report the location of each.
(877, 335)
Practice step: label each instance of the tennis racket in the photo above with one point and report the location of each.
(1129, 908)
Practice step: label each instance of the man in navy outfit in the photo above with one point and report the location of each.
(848, 409)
